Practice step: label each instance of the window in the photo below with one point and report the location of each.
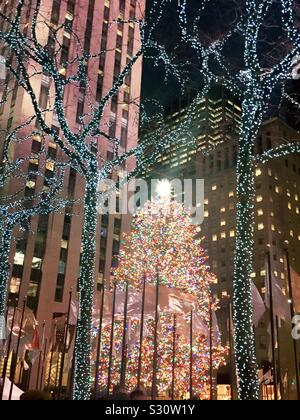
(263, 342)
(117, 69)
(89, 26)
(71, 8)
(260, 226)
(52, 150)
(80, 109)
(55, 12)
(119, 42)
(34, 288)
(234, 155)
(44, 96)
(36, 146)
(117, 226)
(101, 267)
(130, 41)
(132, 9)
(72, 183)
(14, 286)
(112, 129)
(109, 155)
(260, 212)
(122, 5)
(59, 290)
(116, 247)
(127, 95)
(124, 132)
(99, 87)
(65, 49)
(104, 41)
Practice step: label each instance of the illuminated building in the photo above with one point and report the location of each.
(213, 157)
(45, 259)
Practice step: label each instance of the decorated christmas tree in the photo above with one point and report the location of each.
(163, 256)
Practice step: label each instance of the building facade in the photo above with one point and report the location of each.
(45, 256)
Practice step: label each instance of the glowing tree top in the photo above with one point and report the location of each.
(164, 243)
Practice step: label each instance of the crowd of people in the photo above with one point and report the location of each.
(119, 394)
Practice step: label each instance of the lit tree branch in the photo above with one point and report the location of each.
(28, 52)
(278, 152)
(14, 212)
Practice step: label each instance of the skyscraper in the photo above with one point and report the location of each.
(213, 158)
(45, 258)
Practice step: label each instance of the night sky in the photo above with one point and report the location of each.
(217, 19)
(167, 33)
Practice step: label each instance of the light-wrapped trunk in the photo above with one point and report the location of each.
(242, 298)
(82, 376)
(5, 242)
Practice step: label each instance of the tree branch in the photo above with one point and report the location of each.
(278, 152)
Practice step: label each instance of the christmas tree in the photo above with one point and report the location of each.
(164, 249)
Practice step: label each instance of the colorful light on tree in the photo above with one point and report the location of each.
(163, 242)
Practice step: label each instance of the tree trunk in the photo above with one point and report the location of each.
(82, 375)
(242, 297)
(5, 242)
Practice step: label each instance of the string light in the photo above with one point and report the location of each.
(76, 145)
(163, 241)
(18, 211)
(253, 86)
